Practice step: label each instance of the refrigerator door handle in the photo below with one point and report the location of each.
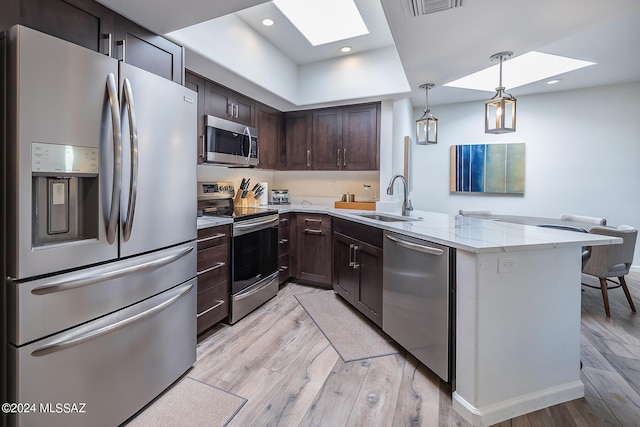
(127, 99)
(73, 339)
(89, 278)
(112, 222)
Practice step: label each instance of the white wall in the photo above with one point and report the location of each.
(582, 152)
(248, 63)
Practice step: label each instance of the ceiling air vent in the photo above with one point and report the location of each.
(415, 8)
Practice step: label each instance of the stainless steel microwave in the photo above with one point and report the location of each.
(230, 143)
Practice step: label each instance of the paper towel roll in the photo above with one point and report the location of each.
(264, 197)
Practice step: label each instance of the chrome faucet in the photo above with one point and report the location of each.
(406, 203)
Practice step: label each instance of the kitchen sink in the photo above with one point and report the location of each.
(388, 218)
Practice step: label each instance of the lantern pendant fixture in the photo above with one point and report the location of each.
(500, 111)
(427, 125)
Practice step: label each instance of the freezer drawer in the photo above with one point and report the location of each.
(111, 367)
(46, 306)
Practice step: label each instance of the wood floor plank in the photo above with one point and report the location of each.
(378, 396)
(590, 354)
(334, 402)
(289, 407)
(419, 398)
(622, 400)
(591, 412)
(258, 392)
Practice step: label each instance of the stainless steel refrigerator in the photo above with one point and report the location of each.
(100, 210)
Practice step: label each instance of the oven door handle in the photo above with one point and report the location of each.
(257, 289)
(254, 225)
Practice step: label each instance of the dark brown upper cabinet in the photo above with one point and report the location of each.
(298, 140)
(196, 83)
(360, 137)
(220, 101)
(269, 122)
(92, 25)
(340, 138)
(326, 143)
(141, 48)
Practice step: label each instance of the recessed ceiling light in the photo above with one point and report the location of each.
(267, 22)
(554, 81)
(324, 21)
(345, 49)
(524, 69)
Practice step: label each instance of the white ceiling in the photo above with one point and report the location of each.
(434, 48)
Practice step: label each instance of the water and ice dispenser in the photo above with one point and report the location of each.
(65, 193)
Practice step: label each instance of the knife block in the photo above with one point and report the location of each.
(248, 201)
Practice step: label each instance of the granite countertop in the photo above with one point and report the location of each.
(461, 232)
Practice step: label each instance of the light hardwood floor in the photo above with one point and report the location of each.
(290, 375)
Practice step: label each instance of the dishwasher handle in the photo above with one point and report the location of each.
(415, 246)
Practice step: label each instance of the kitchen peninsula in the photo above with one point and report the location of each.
(517, 328)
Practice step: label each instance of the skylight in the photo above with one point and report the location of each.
(521, 70)
(324, 21)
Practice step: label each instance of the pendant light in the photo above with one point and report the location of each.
(427, 125)
(500, 111)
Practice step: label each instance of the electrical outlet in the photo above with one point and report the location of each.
(506, 265)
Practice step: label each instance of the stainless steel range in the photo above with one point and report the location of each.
(254, 247)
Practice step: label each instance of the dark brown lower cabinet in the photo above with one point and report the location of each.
(313, 251)
(213, 276)
(357, 272)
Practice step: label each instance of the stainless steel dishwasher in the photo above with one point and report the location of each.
(417, 301)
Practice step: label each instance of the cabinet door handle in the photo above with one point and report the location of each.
(356, 250)
(123, 46)
(338, 157)
(352, 256)
(308, 158)
(351, 261)
(235, 111)
(344, 157)
(283, 241)
(215, 236)
(283, 268)
(215, 267)
(312, 231)
(108, 37)
(284, 221)
(219, 302)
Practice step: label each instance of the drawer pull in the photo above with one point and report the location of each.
(318, 221)
(312, 231)
(215, 236)
(283, 241)
(283, 268)
(218, 265)
(219, 303)
(284, 221)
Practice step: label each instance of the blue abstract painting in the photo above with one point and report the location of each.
(487, 168)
